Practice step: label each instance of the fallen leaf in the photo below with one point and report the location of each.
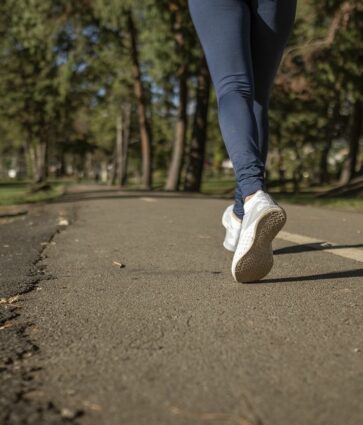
(92, 406)
(6, 326)
(33, 395)
(68, 413)
(120, 265)
(10, 300)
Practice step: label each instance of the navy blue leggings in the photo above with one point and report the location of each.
(243, 42)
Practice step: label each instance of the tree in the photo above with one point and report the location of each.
(177, 10)
(145, 131)
(28, 73)
(196, 156)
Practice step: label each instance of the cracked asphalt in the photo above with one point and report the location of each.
(22, 241)
(170, 338)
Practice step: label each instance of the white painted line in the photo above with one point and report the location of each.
(351, 253)
(146, 199)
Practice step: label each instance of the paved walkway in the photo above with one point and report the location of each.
(169, 338)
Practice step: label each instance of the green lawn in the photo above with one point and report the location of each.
(13, 193)
(218, 186)
(214, 186)
(18, 193)
(353, 204)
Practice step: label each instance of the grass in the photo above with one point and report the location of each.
(225, 185)
(218, 186)
(353, 204)
(13, 193)
(18, 193)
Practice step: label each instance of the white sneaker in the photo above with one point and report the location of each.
(233, 229)
(263, 219)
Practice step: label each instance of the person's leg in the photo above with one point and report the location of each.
(223, 27)
(271, 25)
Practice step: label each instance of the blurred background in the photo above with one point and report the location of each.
(118, 94)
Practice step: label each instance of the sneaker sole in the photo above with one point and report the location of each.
(258, 260)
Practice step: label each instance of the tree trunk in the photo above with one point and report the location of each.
(323, 164)
(120, 156)
(103, 171)
(112, 179)
(281, 168)
(41, 162)
(63, 166)
(30, 160)
(119, 150)
(298, 170)
(125, 146)
(194, 170)
(87, 165)
(145, 132)
(176, 164)
(348, 171)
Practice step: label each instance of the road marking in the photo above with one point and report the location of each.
(351, 253)
(147, 199)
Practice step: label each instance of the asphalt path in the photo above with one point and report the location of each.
(139, 320)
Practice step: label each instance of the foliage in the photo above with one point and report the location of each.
(66, 73)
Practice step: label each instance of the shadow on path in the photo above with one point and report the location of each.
(314, 277)
(318, 246)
